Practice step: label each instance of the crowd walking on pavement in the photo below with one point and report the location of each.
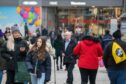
(28, 60)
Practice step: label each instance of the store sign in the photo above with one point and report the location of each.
(113, 25)
(77, 3)
(53, 3)
(86, 21)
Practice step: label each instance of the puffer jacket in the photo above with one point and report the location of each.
(9, 56)
(89, 49)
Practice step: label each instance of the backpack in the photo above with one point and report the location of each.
(118, 53)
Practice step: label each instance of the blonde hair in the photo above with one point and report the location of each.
(10, 43)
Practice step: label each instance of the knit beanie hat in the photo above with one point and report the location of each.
(15, 28)
(117, 34)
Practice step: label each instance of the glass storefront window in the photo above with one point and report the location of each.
(97, 18)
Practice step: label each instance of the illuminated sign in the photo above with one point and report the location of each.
(78, 3)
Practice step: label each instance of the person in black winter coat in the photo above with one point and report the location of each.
(44, 32)
(53, 37)
(9, 55)
(2, 60)
(20, 51)
(116, 72)
(58, 45)
(106, 38)
(38, 62)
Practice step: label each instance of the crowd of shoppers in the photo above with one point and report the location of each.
(29, 61)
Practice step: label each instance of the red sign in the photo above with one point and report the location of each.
(87, 21)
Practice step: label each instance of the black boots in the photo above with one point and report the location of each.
(57, 68)
(61, 66)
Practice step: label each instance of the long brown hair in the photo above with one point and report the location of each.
(41, 51)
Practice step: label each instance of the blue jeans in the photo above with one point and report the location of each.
(36, 80)
(1, 73)
(117, 76)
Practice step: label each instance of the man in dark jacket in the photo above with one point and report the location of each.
(44, 32)
(69, 58)
(116, 72)
(53, 37)
(106, 39)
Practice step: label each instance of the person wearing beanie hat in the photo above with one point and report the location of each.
(16, 32)
(15, 29)
(20, 50)
(116, 72)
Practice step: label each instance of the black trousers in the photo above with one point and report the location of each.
(69, 68)
(57, 59)
(88, 74)
(10, 77)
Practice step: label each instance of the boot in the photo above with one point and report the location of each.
(57, 68)
(61, 66)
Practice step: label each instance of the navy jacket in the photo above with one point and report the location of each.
(106, 39)
(42, 66)
(69, 56)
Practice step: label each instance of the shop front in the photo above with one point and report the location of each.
(95, 14)
(98, 19)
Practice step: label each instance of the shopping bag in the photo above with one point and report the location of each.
(22, 74)
(101, 64)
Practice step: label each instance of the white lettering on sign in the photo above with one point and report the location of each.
(53, 3)
(78, 3)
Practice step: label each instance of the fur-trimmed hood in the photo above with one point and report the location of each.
(90, 40)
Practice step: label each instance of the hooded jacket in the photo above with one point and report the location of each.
(89, 49)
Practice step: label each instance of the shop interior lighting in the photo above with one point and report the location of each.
(93, 6)
(30, 3)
